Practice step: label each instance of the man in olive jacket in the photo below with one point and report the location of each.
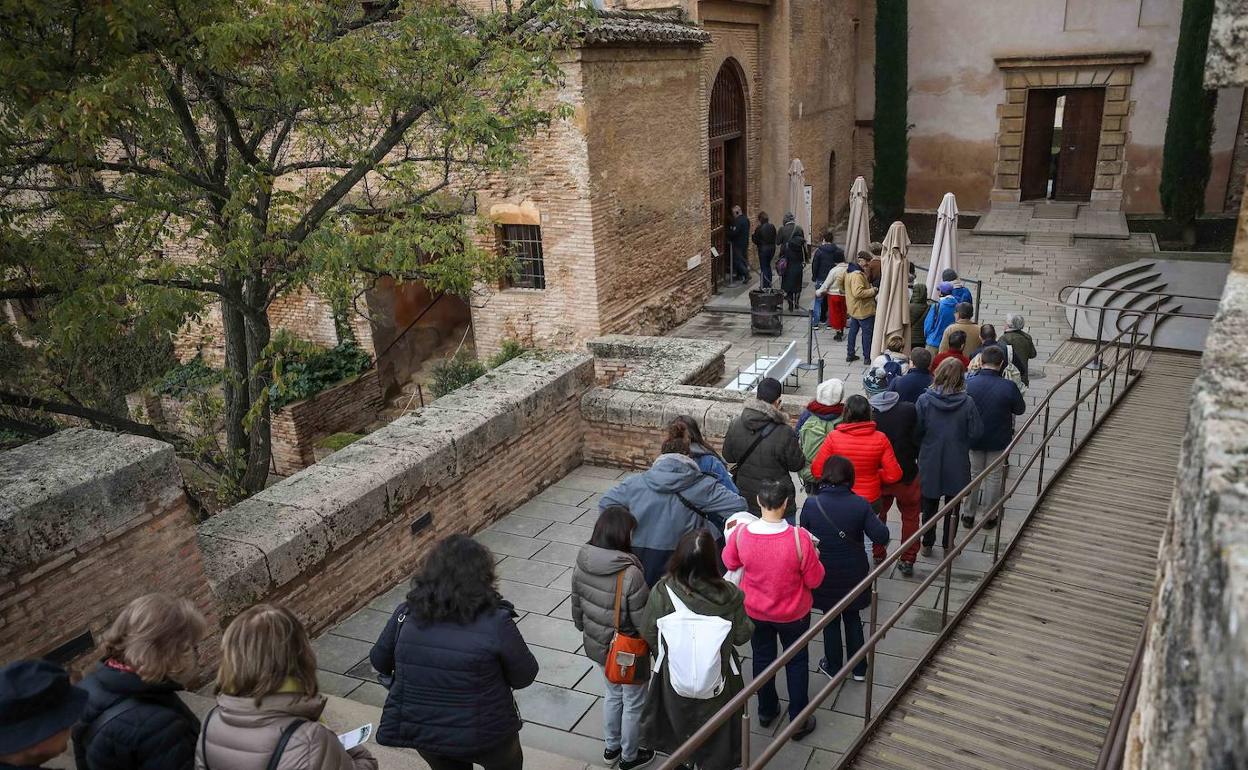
(764, 446)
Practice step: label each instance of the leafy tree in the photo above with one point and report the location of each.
(888, 193)
(1185, 161)
(157, 156)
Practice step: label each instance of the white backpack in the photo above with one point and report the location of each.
(690, 644)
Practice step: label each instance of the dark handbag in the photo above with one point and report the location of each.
(762, 434)
(387, 680)
(625, 650)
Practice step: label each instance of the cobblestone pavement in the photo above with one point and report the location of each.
(535, 546)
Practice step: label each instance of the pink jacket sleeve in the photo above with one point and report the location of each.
(732, 559)
(812, 571)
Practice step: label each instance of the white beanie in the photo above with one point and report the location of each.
(830, 392)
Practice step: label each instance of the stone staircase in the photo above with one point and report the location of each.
(342, 715)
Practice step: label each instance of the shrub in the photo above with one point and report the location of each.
(888, 193)
(185, 379)
(454, 373)
(1185, 161)
(302, 370)
(510, 349)
(337, 441)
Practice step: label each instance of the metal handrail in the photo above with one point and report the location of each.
(1156, 312)
(1049, 431)
(1113, 751)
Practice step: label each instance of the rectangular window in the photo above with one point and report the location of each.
(524, 244)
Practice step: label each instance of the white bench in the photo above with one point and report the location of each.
(780, 367)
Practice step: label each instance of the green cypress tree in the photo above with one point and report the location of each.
(891, 41)
(1189, 127)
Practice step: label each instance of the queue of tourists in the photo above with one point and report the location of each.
(702, 552)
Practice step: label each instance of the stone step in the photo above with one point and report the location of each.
(342, 714)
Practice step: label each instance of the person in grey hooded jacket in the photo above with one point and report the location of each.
(607, 573)
(671, 498)
(777, 453)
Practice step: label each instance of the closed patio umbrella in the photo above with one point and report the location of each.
(944, 243)
(797, 196)
(892, 309)
(857, 236)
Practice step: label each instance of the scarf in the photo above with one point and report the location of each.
(825, 411)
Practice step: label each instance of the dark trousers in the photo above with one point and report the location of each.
(867, 326)
(506, 756)
(740, 262)
(764, 268)
(763, 647)
(949, 529)
(853, 642)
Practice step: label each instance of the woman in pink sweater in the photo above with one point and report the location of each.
(781, 566)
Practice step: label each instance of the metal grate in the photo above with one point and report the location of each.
(523, 243)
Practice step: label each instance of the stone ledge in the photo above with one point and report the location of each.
(272, 538)
(663, 362)
(75, 487)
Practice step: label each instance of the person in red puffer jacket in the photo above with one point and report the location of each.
(869, 450)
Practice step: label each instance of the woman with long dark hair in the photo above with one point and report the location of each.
(668, 718)
(456, 655)
(711, 463)
(608, 596)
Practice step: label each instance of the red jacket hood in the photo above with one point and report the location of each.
(857, 428)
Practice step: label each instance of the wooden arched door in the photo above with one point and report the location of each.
(726, 126)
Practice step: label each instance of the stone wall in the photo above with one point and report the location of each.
(331, 537)
(349, 406)
(1192, 707)
(89, 521)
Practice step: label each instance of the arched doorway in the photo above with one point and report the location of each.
(726, 142)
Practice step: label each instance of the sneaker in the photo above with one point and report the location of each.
(611, 756)
(906, 568)
(766, 721)
(644, 757)
(838, 336)
(860, 677)
(968, 521)
(991, 523)
(806, 729)
(825, 668)
(850, 359)
(926, 550)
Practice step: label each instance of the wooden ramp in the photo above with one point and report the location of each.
(1030, 676)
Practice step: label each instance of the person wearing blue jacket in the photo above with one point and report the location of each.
(455, 655)
(940, 316)
(671, 498)
(998, 400)
(960, 292)
(827, 256)
(917, 378)
(948, 423)
(708, 459)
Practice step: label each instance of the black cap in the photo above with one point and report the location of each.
(36, 702)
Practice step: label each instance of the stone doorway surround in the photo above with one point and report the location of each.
(1114, 71)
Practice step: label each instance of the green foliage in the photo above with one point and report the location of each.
(888, 189)
(284, 144)
(191, 377)
(1185, 162)
(455, 373)
(509, 350)
(301, 370)
(337, 441)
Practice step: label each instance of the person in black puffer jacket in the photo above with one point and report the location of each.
(456, 655)
(777, 452)
(134, 718)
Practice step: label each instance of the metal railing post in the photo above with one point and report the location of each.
(1044, 449)
(996, 541)
(944, 608)
(875, 604)
(745, 737)
(1074, 417)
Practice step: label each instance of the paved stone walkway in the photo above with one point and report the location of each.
(1021, 219)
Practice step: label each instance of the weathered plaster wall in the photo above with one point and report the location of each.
(955, 89)
(90, 520)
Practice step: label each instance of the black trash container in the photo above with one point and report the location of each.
(765, 311)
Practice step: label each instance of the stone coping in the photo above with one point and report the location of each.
(655, 391)
(73, 488)
(272, 538)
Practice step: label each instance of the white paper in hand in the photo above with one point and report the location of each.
(355, 737)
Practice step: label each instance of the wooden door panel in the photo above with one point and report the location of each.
(1037, 143)
(1081, 141)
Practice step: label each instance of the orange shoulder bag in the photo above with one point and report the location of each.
(625, 650)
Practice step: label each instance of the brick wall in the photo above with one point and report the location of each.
(98, 519)
(348, 407)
